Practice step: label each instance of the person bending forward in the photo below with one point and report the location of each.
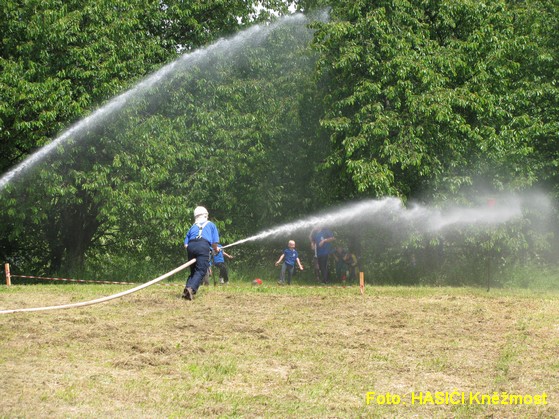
(199, 241)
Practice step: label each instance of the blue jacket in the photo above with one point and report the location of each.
(209, 233)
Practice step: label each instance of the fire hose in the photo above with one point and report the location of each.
(107, 298)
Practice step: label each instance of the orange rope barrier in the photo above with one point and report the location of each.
(72, 280)
(88, 281)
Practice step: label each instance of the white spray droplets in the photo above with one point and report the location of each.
(391, 212)
(251, 36)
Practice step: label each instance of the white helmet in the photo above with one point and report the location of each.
(199, 211)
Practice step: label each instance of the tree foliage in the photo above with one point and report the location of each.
(219, 128)
(428, 99)
(432, 97)
(442, 101)
(60, 58)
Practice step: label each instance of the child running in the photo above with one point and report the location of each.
(290, 256)
(219, 262)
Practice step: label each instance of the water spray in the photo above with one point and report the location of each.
(255, 34)
(392, 211)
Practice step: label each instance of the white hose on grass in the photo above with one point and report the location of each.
(103, 299)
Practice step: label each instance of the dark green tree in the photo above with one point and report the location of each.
(434, 97)
(446, 102)
(59, 61)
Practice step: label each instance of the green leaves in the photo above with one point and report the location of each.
(428, 91)
(127, 183)
(220, 129)
(406, 98)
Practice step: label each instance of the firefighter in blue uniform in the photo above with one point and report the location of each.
(199, 242)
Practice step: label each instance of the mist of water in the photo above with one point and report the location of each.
(392, 212)
(253, 36)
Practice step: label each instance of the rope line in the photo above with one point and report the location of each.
(172, 285)
(103, 299)
(82, 280)
(70, 279)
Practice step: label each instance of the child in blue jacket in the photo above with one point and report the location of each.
(290, 256)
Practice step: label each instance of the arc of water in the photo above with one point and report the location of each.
(255, 34)
(97, 116)
(393, 210)
(338, 216)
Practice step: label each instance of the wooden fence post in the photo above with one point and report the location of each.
(7, 272)
(362, 282)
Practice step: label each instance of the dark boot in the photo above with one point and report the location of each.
(187, 294)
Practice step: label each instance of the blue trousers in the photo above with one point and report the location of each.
(323, 266)
(289, 269)
(199, 249)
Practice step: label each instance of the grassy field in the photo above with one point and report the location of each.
(270, 351)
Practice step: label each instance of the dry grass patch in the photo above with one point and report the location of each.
(240, 351)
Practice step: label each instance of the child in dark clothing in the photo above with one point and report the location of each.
(219, 262)
(341, 266)
(352, 266)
